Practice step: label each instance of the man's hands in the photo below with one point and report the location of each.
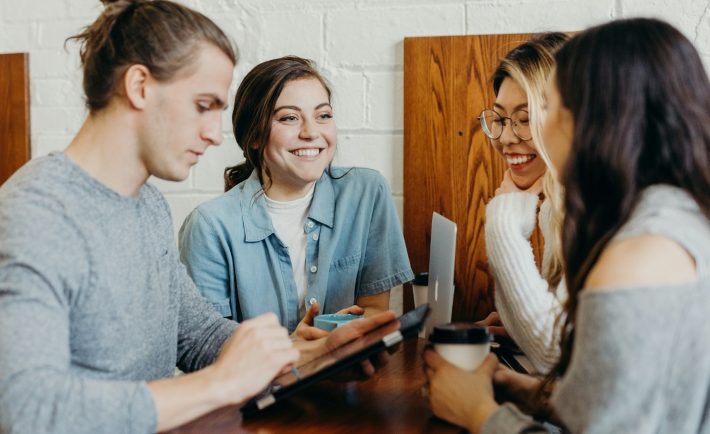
(258, 350)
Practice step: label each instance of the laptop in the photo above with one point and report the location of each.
(442, 256)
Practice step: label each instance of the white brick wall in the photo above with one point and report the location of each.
(357, 43)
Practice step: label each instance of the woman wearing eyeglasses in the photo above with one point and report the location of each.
(627, 131)
(527, 301)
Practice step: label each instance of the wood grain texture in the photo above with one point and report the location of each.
(14, 113)
(449, 165)
(389, 402)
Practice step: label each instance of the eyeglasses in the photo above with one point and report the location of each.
(493, 124)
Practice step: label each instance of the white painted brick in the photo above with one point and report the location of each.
(357, 43)
(55, 121)
(375, 36)
(56, 92)
(182, 204)
(43, 145)
(385, 97)
(348, 98)
(702, 33)
(51, 35)
(683, 14)
(399, 206)
(257, 6)
(54, 63)
(380, 152)
(294, 33)
(49, 121)
(396, 300)
(227, 119)
(381, 3)
(87, 10)
(14, 37)
(239, 26)
(515, 16)
(32, 10)
(209, 172)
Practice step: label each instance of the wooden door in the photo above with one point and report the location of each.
(14, 113)
(449, 164)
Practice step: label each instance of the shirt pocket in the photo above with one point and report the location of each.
(341, 282)
(346, 263)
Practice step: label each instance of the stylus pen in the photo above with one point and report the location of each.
(295, 373)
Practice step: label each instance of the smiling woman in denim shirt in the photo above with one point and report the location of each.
(292, 234)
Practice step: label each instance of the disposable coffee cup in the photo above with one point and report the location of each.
(463, 344)
(420, 289)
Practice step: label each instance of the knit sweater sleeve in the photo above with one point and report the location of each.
(525, 303)
(39, 391)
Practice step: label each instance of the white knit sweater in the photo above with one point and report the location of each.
(527, 305)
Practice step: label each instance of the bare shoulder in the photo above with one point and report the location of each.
(641, 261)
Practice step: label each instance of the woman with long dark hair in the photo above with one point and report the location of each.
(627, 128)
(293, 234)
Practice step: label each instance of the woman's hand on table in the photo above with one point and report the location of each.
(307, 331)
(461, 397)
(355, 330)
(312, 349)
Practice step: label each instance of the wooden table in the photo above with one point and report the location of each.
(389, 402)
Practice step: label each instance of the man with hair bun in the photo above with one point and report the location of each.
(96, 309)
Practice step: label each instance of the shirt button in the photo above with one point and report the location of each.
(309, 224)
(312, 301)
(315, 237)
(314, 268)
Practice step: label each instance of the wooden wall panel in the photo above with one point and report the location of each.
(449, 165)
(14, 113)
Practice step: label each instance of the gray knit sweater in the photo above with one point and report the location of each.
(94, 302)
(641, 362)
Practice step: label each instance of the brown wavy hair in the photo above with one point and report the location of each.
(254, 106)
(640, 97)
(163, 36)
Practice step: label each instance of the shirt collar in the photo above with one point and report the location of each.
(323, 205)
(255, 217)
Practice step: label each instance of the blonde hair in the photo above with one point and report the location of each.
(529, 65)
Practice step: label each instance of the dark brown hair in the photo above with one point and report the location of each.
(253, 108)
(161, 35)
(640, 98)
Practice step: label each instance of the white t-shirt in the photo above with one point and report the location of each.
(289, 219)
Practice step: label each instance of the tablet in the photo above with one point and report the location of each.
(340, 359)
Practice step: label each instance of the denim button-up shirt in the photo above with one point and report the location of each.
(355, 248)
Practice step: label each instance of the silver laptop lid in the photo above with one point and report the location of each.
(442, 255)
